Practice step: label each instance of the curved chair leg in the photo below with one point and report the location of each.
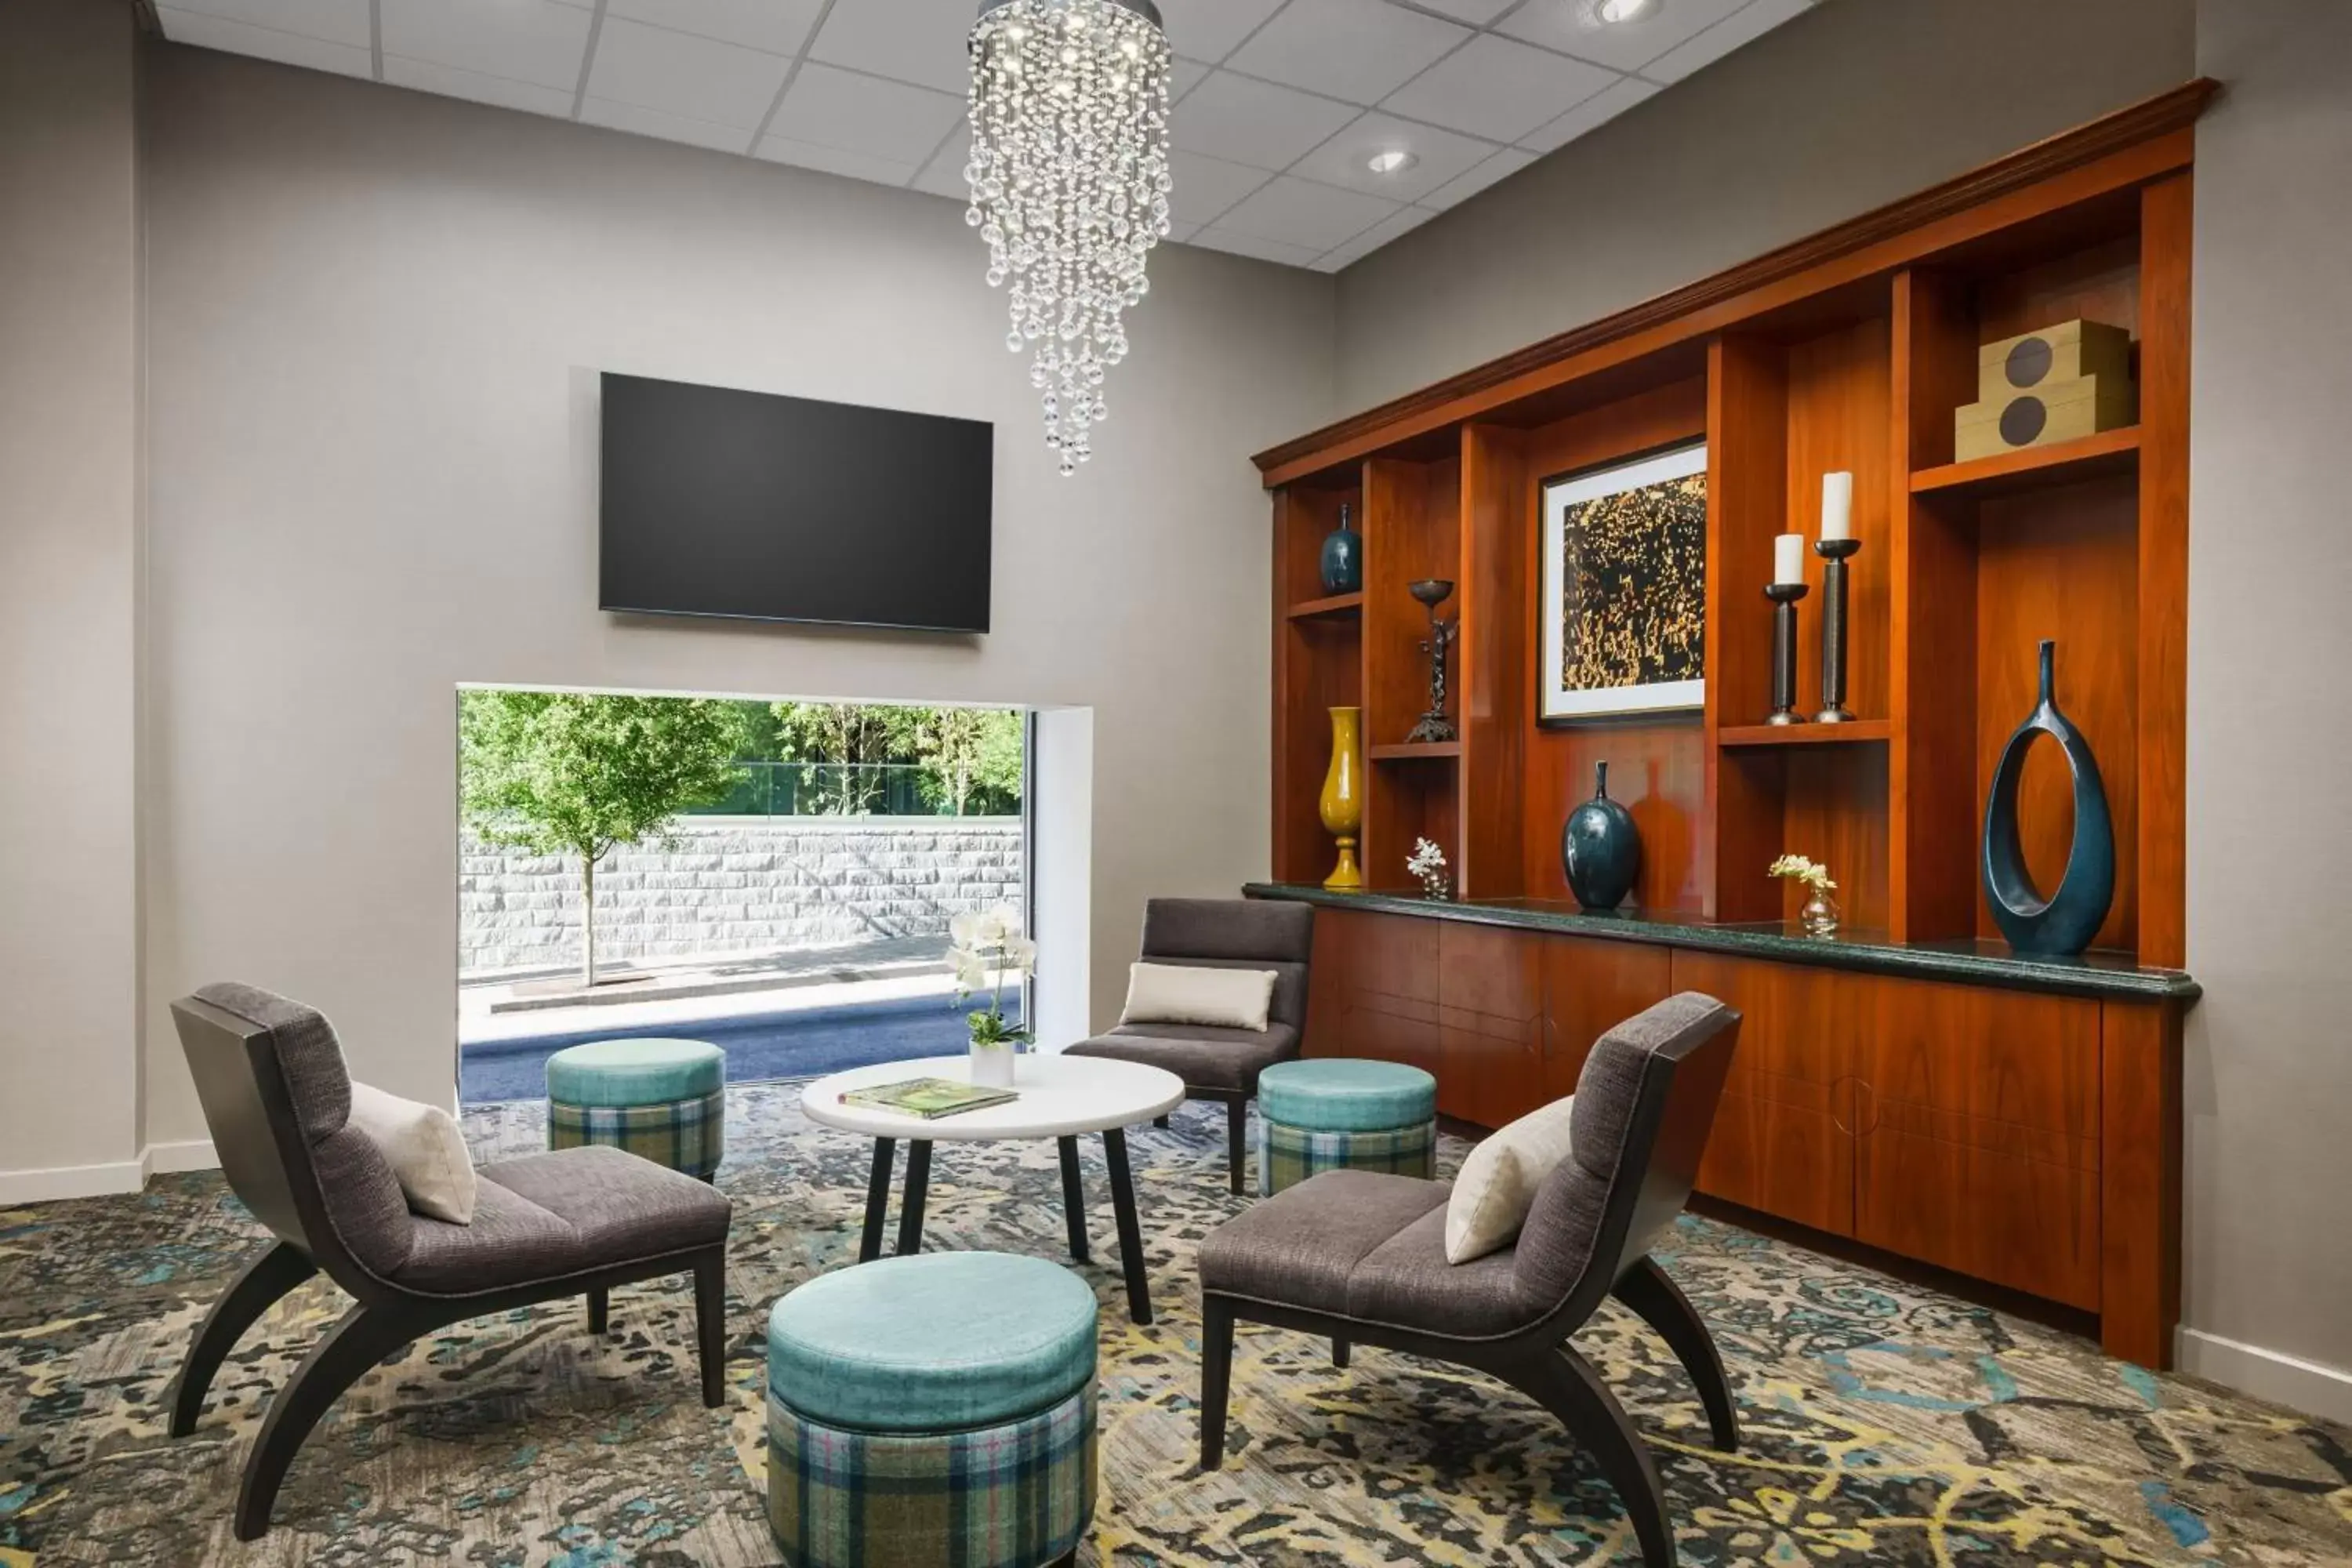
(1236, 1141)
(710, 1324)
(363, 1337)
(1216, 1378)
(274, 1271)
(1563, 1383)
(1647, 1289)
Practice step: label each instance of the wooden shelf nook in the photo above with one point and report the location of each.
(1982, 1113)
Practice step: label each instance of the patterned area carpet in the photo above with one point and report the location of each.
(1884, 1424)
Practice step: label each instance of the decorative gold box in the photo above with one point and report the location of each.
(2060, 383)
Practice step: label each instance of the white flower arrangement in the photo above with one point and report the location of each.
(985, 949)
(1428, 864)
(1797, 868)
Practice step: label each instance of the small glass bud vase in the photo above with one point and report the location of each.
(1819, 915)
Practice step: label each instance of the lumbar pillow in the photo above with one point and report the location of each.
(1499, 1182)
(426, 1150)
(1173, 994)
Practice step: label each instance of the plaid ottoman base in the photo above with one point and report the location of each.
(1015, 1496)
(688, 1135)
(1288, 1155)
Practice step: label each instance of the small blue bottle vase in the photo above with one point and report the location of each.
(2068, 918)
(1343, 557)
(1600, 848)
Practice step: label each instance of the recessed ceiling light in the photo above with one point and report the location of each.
(1608, 13)
(1395, 161)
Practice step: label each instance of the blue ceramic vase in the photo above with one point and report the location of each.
(1600, 848)
(2068, 918)
(1343, 557)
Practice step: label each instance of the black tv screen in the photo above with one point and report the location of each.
(718, 502)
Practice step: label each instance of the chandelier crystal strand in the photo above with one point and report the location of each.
(1069, 186)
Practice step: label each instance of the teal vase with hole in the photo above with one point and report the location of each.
(1343, 558)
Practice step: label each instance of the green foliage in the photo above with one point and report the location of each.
(970, 753)
(562, 773)
(971, 749)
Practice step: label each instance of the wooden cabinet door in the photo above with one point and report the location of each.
(1784, 1139)
(1373, 990)
(1490, 1023)
(1978, 1133)
(1590, 987)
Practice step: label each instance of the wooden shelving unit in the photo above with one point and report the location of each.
(2027, 1140)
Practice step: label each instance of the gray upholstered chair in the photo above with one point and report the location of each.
(1360, 1258)
(1222, 1064)
(277, 1099)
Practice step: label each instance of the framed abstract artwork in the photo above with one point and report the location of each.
(1623, 597)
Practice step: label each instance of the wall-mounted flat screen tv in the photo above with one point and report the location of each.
(746, 504)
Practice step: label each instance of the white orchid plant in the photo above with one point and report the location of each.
(1428, 863)
(986, 949)
(1798, 868)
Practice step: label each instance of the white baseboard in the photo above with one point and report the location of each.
(46, 1185)
(2310, 1386)
(195, 1154)
(72, 1182)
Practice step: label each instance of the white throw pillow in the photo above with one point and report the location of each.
(1174, 993)
(1499, 1182)
(425, 1149)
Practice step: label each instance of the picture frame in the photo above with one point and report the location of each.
(1621, 601)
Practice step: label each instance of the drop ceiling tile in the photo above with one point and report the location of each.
(1208, 29)
(834, 161)
(643, 121)
(205, 32)
(1440, 156)
(1253, 122)
(865, 115)
(685, 74)
(943, 176)
(1743, 26)
(1496, 88)
(779, 27)
(921, 41)
(1360, 50)
(450, 81)
(335, 21)
(1501, 166)
(1373, 239)
(1291, 211)
(1225, 240)
(1477, 13)
(1183, 76)
(1204, 187)
(1623, 46)
(522, 40)
(1599, 110)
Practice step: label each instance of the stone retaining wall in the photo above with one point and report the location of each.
(736, 885)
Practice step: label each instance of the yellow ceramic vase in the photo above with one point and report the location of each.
(1343, 794)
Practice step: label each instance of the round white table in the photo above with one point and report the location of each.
(1059, 1098)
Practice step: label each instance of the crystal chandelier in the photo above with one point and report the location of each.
(1069, 185)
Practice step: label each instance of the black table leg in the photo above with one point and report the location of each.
(1131, 1235)
(1073, 1199)
(918, 1181)
(877, 1199)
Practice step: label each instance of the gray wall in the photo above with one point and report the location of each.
(2270, 578)
(377, 318)
(69, 527)
(1846, 108)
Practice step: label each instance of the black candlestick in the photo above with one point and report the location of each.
(1784, 597)
(1434, 725)
(1834, 552)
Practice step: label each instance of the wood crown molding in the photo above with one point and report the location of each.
(2151, 117)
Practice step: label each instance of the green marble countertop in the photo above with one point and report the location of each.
(1976, 963)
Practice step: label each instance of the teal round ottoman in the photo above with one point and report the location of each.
(931, 1410)
(1336, 1114)
(666, 1099)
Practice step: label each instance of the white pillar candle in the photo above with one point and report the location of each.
(1837, 506)
(1788, 558)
